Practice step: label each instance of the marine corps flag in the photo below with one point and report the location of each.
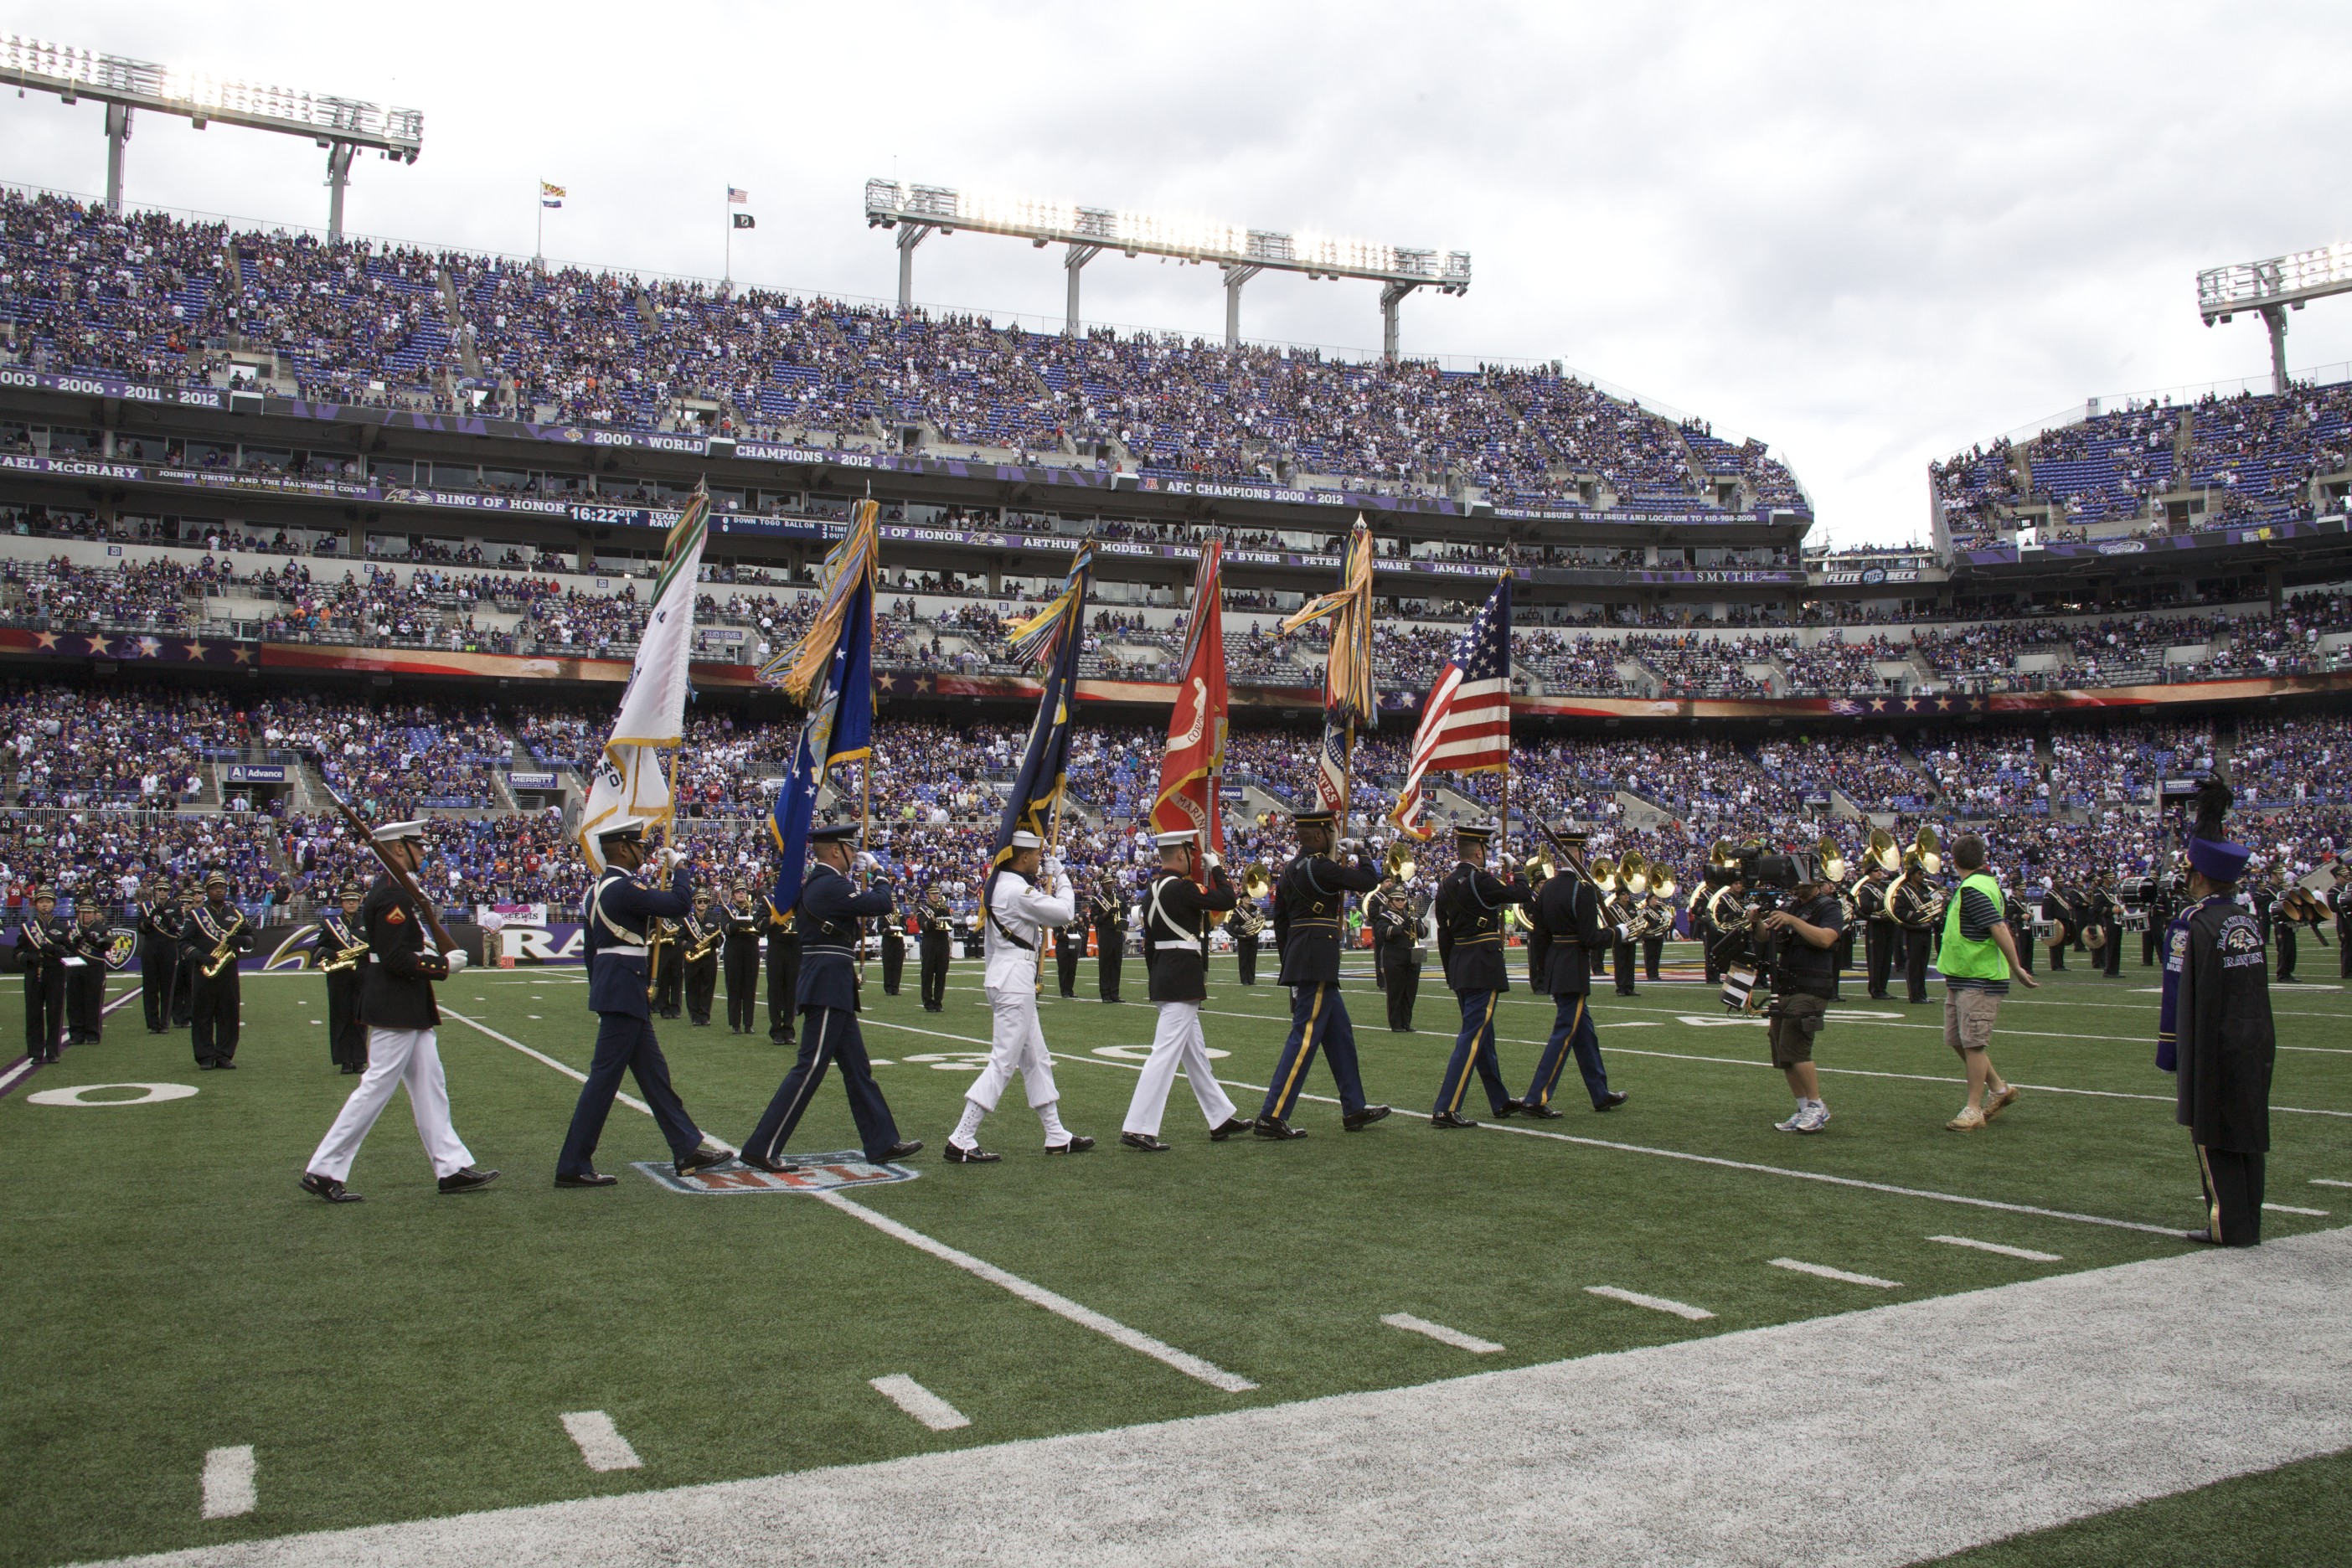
(1056, 633)
(830, 674)
(631, 777)
(1349, 698)
(1196, 760)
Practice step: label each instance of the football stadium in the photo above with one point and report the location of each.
(733, 766)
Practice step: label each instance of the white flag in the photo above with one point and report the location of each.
(633, 777)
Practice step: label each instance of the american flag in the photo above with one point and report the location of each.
(1466, 728)
(736, 197)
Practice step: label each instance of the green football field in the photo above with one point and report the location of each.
(172, 1293)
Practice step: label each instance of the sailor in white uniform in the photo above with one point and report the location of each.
(1017, 914)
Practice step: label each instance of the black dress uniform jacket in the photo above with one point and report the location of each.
(1568, 911)
(831, 920)
(1470, 905)
(2227, 1045)
(397, 993)
(1175, 934)
(1308, 902)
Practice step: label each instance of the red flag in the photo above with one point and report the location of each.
(1192, 772)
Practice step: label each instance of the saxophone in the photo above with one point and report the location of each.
(225, 953)
(709, 942)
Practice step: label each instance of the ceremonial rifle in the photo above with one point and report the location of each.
(400, 879)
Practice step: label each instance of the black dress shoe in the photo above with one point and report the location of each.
(956, 1155)
(469, 1180)
(2205, 1236)
(1143, 1140)
(702, 1160)
(773, 1167)
(1529, 1109)
(326, 1187)
(1078, 1144)
(1611, 1100)
(224, 1066)
(1506, 1110)
(1357, 1121)
(901, 1149)
(1275, 1127)
(1450, 1119)
(1230, 1127)
(585, 1179)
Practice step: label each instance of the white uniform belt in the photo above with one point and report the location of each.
(619, 952)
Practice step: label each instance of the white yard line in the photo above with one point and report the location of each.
(600, 1442)
(1824, 1271)
(228, 1482)
(919, 1402)
(2290, 1209)
(1441, 1334)
(2328, 1181)
(1654, 1303)
(2027, 1253)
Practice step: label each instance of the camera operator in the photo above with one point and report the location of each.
(1798, 944)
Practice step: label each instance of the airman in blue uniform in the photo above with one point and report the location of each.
(1308, 902)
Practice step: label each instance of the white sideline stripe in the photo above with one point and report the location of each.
(1824, 1271)
(1656, 1304)
(2326, 1182)
(1190, 1365)
(1111, 1329)
(919, 1402)
(228, 1482)
(1441, 1334)
(2290, 1209)
(600, 1442)
(2027, 1253)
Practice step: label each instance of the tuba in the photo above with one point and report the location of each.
(1256, 883)
(1399, 863)
(1882, 856)
(1832, 863)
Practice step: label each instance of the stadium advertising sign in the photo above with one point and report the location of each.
(257, 772)
(520, 779)
(1870, 577)
(69, 467)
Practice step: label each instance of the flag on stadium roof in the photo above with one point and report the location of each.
(632, 779)
(1465, 726)
(1031, 805)
(831, 675)
(745, 220)
(551, 196)
(736, 197)
(1195, 759)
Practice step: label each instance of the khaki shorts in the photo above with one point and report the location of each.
(1792, 1043)
(1969, 1014)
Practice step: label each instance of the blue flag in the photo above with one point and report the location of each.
(831, 674)
(1046, 760)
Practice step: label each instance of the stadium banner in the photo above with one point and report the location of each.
(257, 772)
(522, 778)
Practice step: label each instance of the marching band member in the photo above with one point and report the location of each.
(1470, 904)
(741, 953)
(85, 967)
(214, 934)
(1176, 949)
(340, 932)
(669, 965)
(894, 950)
(1308, 900)
(1568, 911)
(1910, 901)
(40, 954)
(1248, 925)
(403, 1047)
(1109, 910)
(184, 964)
(1069, 947)
(935, 938)
(1880, 934)
(1019, 914)
(1654, 946)
(831, 915)
(1396, 937)
(699, 972)
(783, 970)
(616, 920)
(158, 923)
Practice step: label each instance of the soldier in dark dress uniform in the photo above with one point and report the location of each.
(1470, 904)
(216, 1016)
(1396, 938)
(1568, 910)
(935, 941)
(699, 930)
(741, 952)
(783, 970)
(1308, 898)
(86, 979)
(894, 950)
(158, 925)
(339, 932)
(616, 918)
(832, 915)
(2226, 1045)
(41, 943)
(1110, 934)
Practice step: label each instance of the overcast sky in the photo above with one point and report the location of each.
(1867, 238)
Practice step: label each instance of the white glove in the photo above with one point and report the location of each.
(456, 957)
(1062, 888)
(1212, 859)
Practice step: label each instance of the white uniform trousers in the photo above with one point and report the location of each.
(1017, 1045)
(395, 1056)
(1176, 1043)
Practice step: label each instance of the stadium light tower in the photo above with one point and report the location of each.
(340, 125)
(2273, 288)
(1241, 254)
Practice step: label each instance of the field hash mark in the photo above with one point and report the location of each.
(1441, 1334)
(228, 1482)
(919, 1402)
(600, 1442)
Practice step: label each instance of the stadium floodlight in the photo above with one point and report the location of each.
(1241, 254)
(2273, 288)
(340, 125)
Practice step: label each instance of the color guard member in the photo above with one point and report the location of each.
(1019, 913)
(1470, 905)
(1309, 899)
(1176, 943)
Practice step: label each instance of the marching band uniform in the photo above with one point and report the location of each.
(2057, 905)
(2340, 899)
(1176, 947)
(1110, 937)
(2226, 1048)
(1069, 946)
(159, 955)
(784, 971)
(2013, 907)
(396, 999)
(830, 917)
(1248, 924)
(2104, 918)
(1019, 914)
(1308, 900)
(1567, 909)
(1654, 948)
(215, 1001)
(1470, 904)
(347, 1040)
(700, 975)
(935, 936)
(1396, 937)
(1908, 901)
(85, 967)
(670, 968)
(893, 952)
(2283, 932)
(183, 966)
(615, 919)
(1622, 961)
(1878, 937)
(40, 954)
(741, 952)
(2151, 938)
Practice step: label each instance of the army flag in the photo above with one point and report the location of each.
(1348, 697)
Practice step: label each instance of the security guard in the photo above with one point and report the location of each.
(894, 950)
(1396, 938)
(1176, 946)
(1110, 934)
(1470, 904)
(615, 919)
(40, 954)
(700, 930)
(85, 964)
(1069, 946)
(339, 933)
(1308, 898)
(783, 970)
(1248, 927)
(158, 925)
(1567, 909)
(215, 1006)
(831, 915)
(934, 941)
(740, 951)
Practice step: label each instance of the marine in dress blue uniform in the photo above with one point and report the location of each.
(830, 921)
(1308, 900)
(615, 918)
(1470, 905)
(1568, 911)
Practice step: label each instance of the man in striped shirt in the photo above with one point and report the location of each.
(1978, 960)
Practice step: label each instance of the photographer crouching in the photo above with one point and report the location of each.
(1792, 927)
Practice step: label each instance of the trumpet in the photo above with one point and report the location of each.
(344, 958)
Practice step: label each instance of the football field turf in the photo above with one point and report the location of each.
(176, 1295)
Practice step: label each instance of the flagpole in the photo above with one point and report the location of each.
(539, 244)
(865, 815)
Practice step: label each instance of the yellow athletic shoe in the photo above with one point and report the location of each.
(2001, 1102)
(1970, 1119)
